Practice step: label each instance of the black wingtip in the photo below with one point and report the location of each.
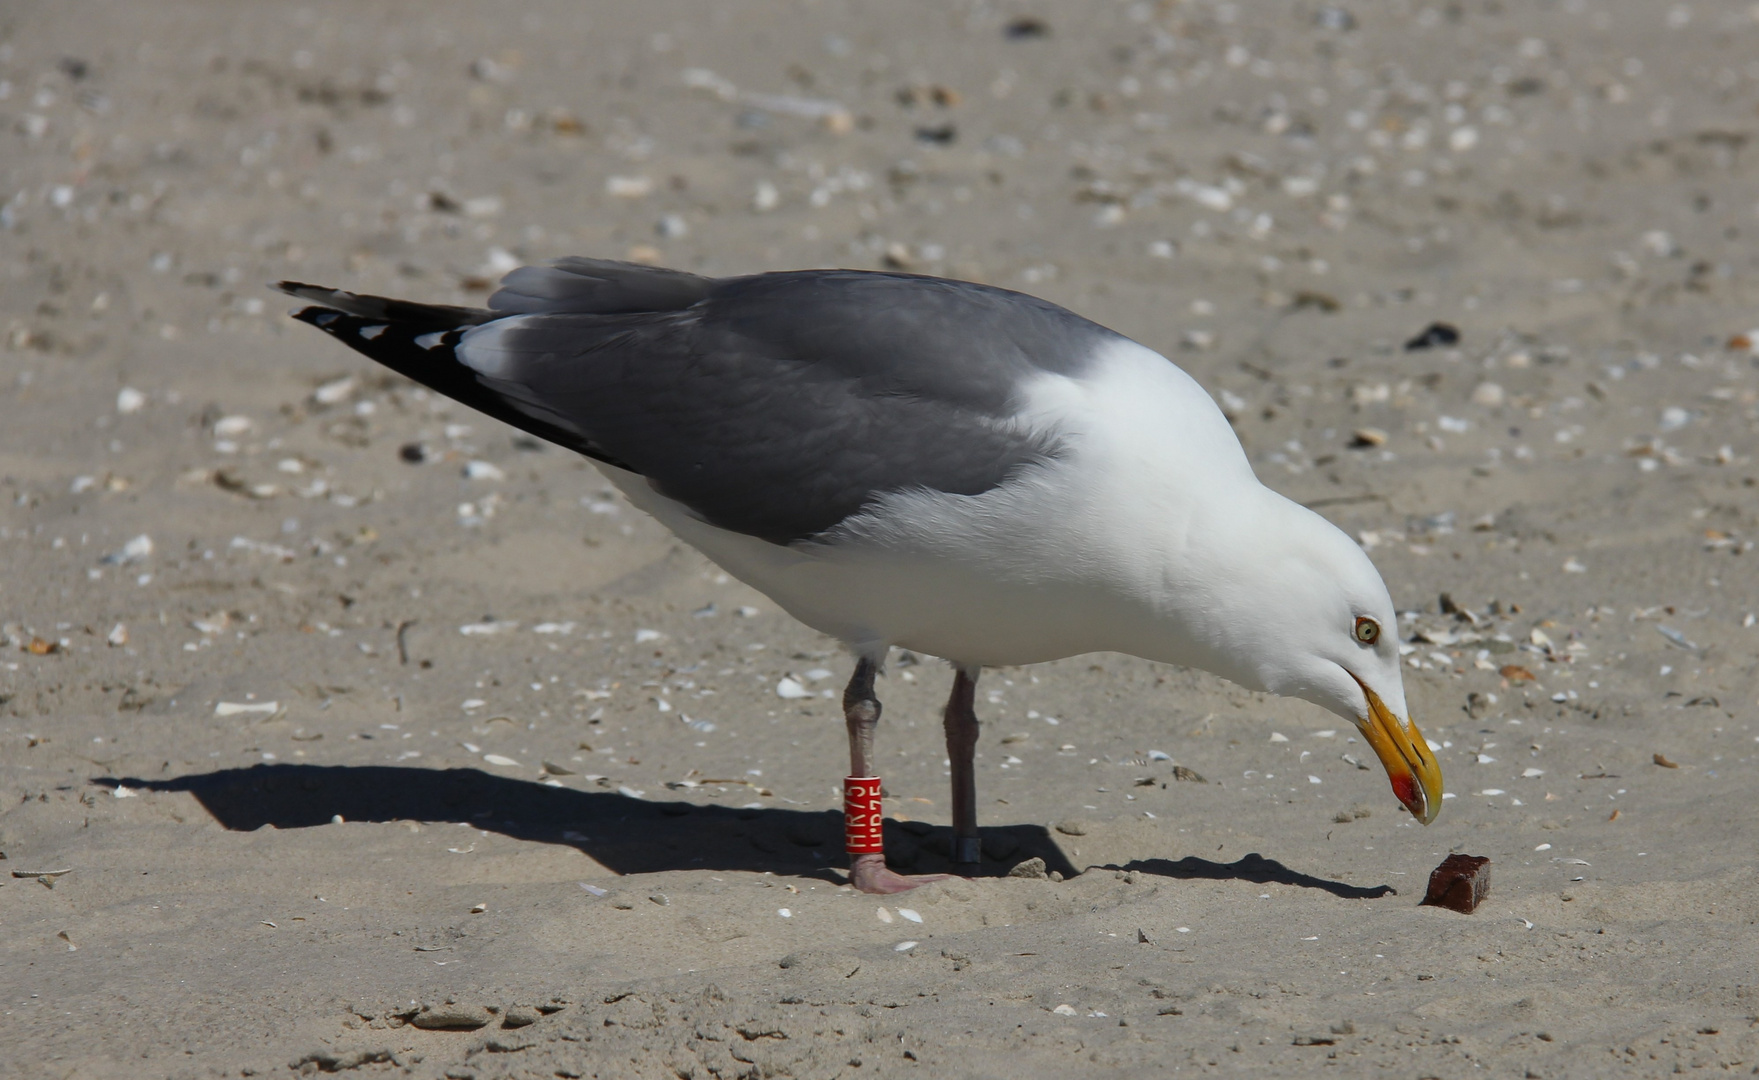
(313, 315)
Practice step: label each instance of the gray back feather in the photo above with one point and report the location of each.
(778, 405)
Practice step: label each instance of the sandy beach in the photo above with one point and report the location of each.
(343, 730)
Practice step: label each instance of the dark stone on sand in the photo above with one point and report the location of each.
(1435, 335)
(1460, 883)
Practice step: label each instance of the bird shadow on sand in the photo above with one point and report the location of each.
(1257, 869)
(625, 835)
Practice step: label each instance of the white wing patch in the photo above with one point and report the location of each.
(371, 333)
(484, 349)
(433, 340)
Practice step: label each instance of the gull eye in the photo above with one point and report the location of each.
(1367, 630)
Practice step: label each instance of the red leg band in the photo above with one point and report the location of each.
(861, 815)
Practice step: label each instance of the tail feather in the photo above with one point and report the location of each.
(420, 341)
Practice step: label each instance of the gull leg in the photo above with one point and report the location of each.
(867, 862)
(961, 726)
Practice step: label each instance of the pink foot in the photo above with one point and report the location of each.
(869, 874)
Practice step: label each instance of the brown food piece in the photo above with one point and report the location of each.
(1461, 882)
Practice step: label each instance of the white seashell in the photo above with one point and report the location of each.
(704, 79)
(130, 400)
(909, 913)
(642, 637)
(628, 187)
(1673, 418)
(497, 759)
(242, 543)
(213, 624)
(1277, 736)
(490, 627)
(336, 391)
(247, 708)
(790, 688)
(904, 946)
(483, 206)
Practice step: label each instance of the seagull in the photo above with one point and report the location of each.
(942, 466)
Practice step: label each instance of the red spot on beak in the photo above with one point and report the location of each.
(1405, 787)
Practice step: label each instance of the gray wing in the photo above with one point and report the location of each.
(775, 405)
(597, 287)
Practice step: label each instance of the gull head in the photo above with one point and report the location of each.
(1312, 619)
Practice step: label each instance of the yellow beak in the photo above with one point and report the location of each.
(1410, 764)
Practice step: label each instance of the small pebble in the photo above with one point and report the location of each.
(450, 1017)
(1437, 334)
